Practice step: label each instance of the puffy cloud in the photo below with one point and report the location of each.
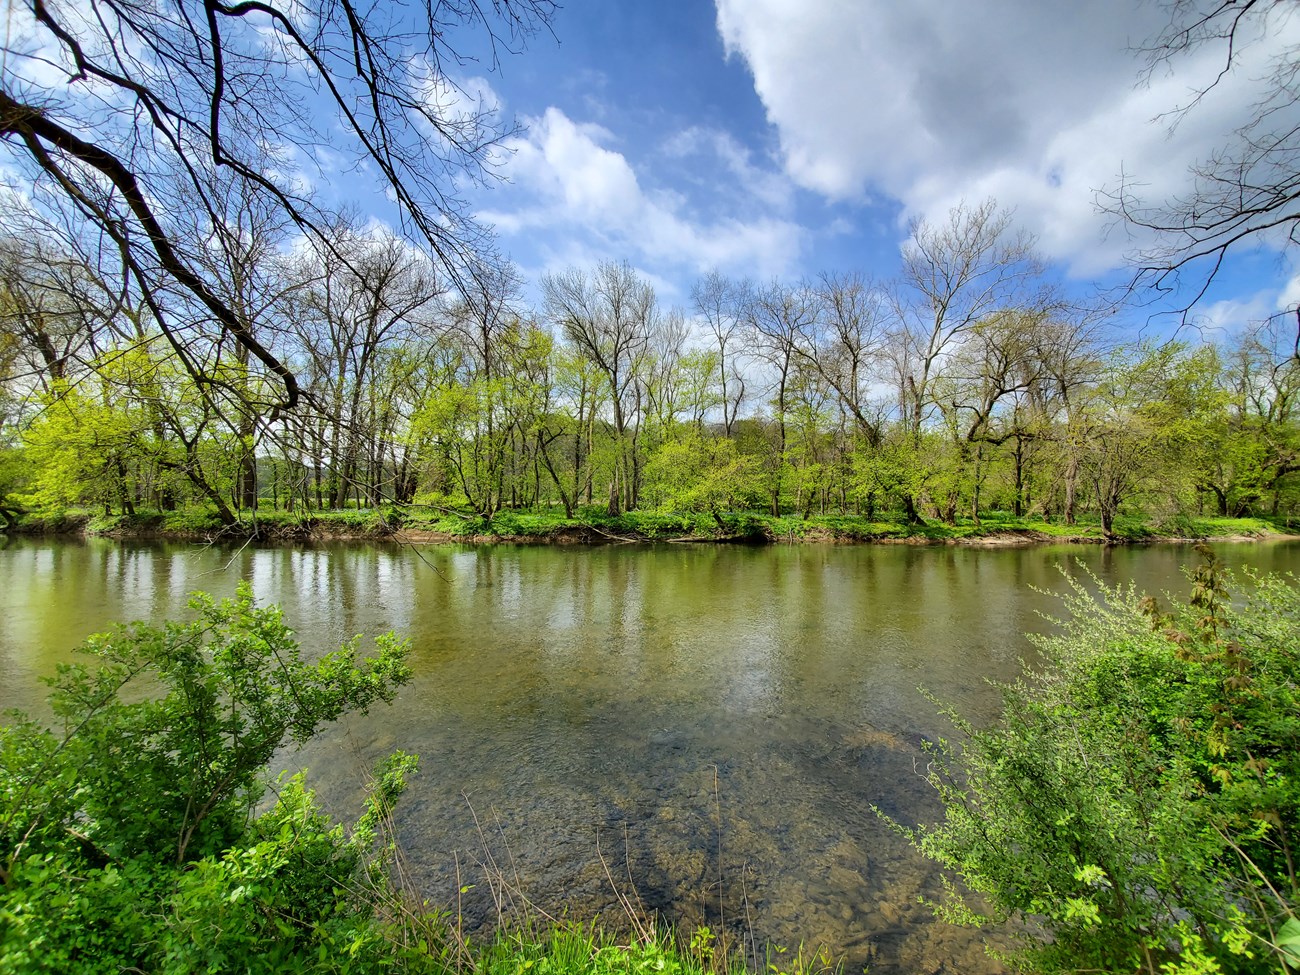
(569, 184)
(1035, 104)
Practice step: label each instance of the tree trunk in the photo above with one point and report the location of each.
(949, 513)
(246, 478)
(613, 508)
(1019, 501)
(1071, 490)
(909, 511)
(1221, 497)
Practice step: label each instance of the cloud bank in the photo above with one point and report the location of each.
(1035, 104)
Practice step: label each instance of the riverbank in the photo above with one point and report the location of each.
(594, 527)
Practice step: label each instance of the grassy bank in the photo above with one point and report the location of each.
(592, 525)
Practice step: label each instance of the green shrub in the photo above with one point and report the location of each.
(128, 836)
(362, 519)
(1136, 808)
(196, 521)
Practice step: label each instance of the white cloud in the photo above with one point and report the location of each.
(467, 110)
(1033, 103)
(567, 180)
(706, 149)
(1231, 317)
(1289, 297)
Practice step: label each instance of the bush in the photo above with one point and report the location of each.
(1136, 808)
(129, 840)
(191, 521)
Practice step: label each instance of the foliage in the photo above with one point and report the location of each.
(129, 835)
(594, 523)
(189, 521)
(1137, 807)
(82, 449)
(571, 949)
(698, 473)
(13, 471)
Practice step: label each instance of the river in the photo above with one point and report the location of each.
(702, 729)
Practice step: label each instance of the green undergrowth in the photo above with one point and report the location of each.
(594, 524)
(575, 949)
(1136, 806)
(762, 527)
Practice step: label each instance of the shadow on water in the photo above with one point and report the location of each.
(707, 725)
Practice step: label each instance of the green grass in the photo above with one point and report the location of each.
(574, 949)
(595, 523)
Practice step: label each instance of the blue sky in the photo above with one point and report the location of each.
(649, 92)
(789, 137)
(785, 138)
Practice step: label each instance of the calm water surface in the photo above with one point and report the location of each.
(705, 727)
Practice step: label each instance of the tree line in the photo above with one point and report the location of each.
(964, 385)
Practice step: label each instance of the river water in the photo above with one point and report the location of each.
(700, 729)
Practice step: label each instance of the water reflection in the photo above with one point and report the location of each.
(716, 721)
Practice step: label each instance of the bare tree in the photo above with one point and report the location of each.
(63, 306)
(777, 318)
(995, 370)
(120, 108)
(665, 379)
(609, 318)
(242, 251)
(955, 274)
(718, 300)
(846, 344)
(42, 320)
(486, 313)
(1249, 189)
(352, 313)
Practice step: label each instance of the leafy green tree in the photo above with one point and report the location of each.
(809, 470)
(137, 428)
(897, 471)
(703, 473)
(1263, 377)
(1230, 461)
(419, 374)
(13, 466)
(1136, 429)
(84, 448)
